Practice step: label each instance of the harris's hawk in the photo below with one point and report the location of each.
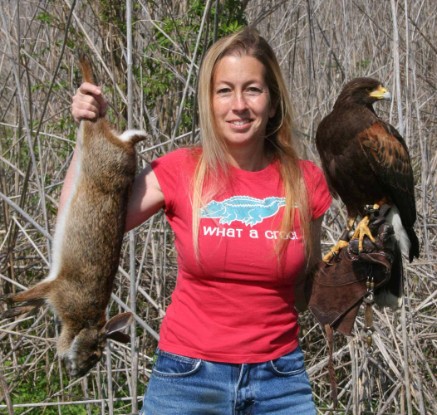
(366, 162)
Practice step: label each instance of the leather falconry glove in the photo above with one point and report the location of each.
(336, 289)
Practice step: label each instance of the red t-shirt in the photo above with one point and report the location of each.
(237, 304)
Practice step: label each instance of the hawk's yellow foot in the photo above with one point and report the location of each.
(335, 250)
(361, 231)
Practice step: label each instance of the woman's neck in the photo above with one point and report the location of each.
(249, 159)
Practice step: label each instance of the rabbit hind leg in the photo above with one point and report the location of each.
(18, 311)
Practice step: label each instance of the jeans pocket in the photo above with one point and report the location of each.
(173, 365)
(289, 365)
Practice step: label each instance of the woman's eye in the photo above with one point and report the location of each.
(253, 90)
(223, 91)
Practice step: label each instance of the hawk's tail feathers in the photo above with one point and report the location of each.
(391, 294)
(401, 235)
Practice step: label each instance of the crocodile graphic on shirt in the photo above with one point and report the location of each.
(245, 209)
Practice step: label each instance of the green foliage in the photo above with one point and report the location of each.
(45, 17)
(364, 64)
(42, 386)
(113, 13)
(170, 51)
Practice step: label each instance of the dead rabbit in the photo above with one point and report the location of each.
(86, 246)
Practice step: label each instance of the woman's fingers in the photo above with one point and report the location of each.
(88, 102)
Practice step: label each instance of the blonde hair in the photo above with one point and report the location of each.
(213, 165)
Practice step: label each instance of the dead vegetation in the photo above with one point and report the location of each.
(321, 44)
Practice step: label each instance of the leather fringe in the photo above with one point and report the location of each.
(331, 372)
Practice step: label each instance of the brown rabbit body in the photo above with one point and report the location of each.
(86, 247)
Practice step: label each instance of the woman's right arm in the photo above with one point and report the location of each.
(88, 103)
(146, 197)
(145, 200)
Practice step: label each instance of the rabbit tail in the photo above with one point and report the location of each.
(133, 136)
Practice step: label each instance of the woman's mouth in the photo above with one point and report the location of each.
(240, 123)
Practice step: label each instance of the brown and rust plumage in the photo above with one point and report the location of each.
(364, 158)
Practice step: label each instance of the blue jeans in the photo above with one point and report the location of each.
(184, 386)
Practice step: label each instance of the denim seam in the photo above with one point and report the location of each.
(179, 358)
(291, 373)
(196, 363)
(237, 386)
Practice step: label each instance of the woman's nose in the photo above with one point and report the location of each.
(239, 102)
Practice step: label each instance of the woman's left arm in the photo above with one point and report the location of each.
(315, 257)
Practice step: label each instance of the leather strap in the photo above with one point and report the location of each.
(331, 372)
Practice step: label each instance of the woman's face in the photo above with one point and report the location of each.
(241, 101)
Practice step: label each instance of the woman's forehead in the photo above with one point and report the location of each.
(235, 66)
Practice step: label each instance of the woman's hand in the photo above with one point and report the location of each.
(88, 102)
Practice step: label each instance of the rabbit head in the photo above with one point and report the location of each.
(86, 348)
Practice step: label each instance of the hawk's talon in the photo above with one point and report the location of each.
(361, 231)
(335, 250)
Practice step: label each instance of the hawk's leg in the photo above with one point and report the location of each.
(362, 228)
(341, 243)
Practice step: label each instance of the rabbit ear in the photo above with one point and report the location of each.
(119, 337)
(114, 327)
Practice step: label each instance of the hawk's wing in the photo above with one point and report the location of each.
(388, 157)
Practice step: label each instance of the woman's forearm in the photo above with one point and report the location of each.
(67, 187)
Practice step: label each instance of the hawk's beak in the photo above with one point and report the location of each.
(381, 93)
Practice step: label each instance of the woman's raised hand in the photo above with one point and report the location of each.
(88, 102)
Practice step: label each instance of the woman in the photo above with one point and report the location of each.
(246, 214)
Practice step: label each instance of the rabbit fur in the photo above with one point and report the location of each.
(87, 243)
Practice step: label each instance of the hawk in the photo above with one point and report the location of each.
(366, 162)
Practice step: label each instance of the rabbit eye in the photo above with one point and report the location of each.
(93, 357)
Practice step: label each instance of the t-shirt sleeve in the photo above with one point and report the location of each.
(168, 171)
(319, 197)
